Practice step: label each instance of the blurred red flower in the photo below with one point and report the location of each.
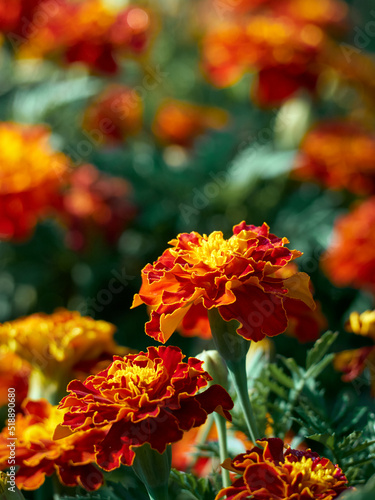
(237, 276)
(350, 259)
(37, 455)
(273, 472)
(30, 176)
(115, 114)
(179, 122)
(339, 155)
(143, 398)
(94, 203)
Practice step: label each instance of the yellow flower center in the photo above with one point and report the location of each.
(135, 378)
(321, 477)
(214, 250)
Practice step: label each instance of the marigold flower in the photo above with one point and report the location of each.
(353, 362)
(144, 398)
(179, 122)
(115, 114)
(30, 176)
(89, 32)
(237, 276)
(274, 473)
(340, 155)
(55, 343)
(95, 202)
(37, 455)
(350, 259)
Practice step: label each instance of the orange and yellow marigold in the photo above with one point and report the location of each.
(270, 472)
(143, 398)
(55, 343)
(37, 455)
(238, 276)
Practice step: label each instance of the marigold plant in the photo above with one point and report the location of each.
(37, 455)
(143, 398)
(237, 276)
(269, 471)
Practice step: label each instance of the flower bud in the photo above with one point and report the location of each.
(215, 365)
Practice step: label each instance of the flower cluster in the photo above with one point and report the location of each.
(269, 471)
(285, 42)
(142, 398)
(350, 260)
(37, 455)
(339, 155)
(237, 276)
(353, 362)
(94, 203)
(30, 176)
(87, 31)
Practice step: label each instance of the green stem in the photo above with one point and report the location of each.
(153, 470)
(223, 450)
(238, 373)
(233, 348)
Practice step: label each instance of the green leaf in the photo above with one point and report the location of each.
(325, 439)
(320, 348)
(281, 377)
(316, 369)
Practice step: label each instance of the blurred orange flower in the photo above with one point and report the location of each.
(350, 260)
(179, 122)
(272, 472)
(86, 31)
(115, 114)
(30, 176)
(143, 398)
(237, 276)
(94, 202)
(340, 155)
(37, 455)
(354, 361)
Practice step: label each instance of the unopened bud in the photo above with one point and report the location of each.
(215, 365)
